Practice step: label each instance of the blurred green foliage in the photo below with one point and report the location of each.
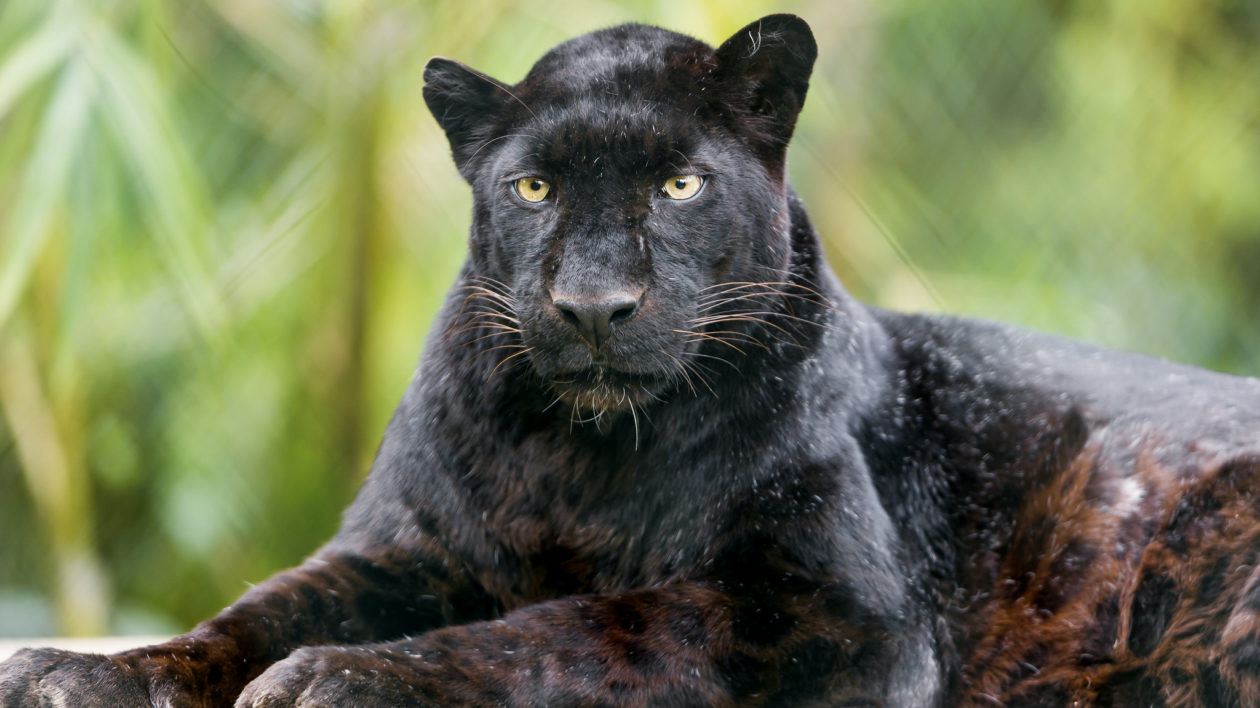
(225, 226)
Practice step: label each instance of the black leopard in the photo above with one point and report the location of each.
(654, 455)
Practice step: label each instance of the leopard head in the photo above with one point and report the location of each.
(630, 202)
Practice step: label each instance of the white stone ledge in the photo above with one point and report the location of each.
(91, 645)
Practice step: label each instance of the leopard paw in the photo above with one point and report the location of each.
(52, 677)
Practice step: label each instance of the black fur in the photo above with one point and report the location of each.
(655, 455)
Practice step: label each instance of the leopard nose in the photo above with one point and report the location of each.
(595, 317)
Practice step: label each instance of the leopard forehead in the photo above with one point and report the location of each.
(612, 140)
(627, 61)
(752, 87)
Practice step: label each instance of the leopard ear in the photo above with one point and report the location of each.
(465, 103)
(763, 71)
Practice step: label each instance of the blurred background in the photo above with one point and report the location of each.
(225, 227)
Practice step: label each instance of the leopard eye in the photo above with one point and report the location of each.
(532, 189)
(682, 186)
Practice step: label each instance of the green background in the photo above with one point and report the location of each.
(225, 227)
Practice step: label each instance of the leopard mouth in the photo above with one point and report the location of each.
(602, 389)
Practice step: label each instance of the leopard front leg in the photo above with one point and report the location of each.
(334, 598)
(680, 645)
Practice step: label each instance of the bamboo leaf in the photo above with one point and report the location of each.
(133, 106)
(278, 43)
(46, 182)
(32, 60)
(54, 474)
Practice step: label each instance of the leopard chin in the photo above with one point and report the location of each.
(599, 391)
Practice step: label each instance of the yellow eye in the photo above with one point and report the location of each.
(532, 189)
(682, 186)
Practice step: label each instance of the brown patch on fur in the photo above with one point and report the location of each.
(1116, 599)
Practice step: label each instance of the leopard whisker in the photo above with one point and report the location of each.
(758, 315)
(526, 350)
(682, 369)
(493, 283)
(732, 334)
(474, 326)
(706, 305)
(696, 336)
(489, 320)
(481, 281)
(736, 284)
(491, 307)
(781, 289)
(510, 345)
(494, 307)
(479, 293)
(493, 318)
(647, 392)
(716, 358)
(729, 337)
(699, 370)
(483, 352)
(489, 288)
(634, 415)
(509, 330)
(753, 318)
(788, 277)
(728, 294)
(552, 404)
(752, 288)
(781, 337)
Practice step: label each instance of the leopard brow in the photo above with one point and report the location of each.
(664, 170)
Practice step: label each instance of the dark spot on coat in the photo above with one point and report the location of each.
(573, 494)
(386, 612)
(1196, 516)
(678, 697)
(1097, 645)
(841, 602)
(1041, 695)
(1251, 601)
(496, 693)
(425, 521)
(1212, 584)
(1245, 655)
(1213, 691)
(587, 667)
(743, 675)
(1152, 609)
(1067, 575)
(560, 570)
(465, 606)
(589, 619)
(745, 562)
(1178, 677)
(645, 661)
(761, 624)
(620, 690)
(1031, 663)
(1130, 689)
(627, 617)
(803, 674)
(687, 626)
(1026, 552)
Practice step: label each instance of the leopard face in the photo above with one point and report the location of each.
(625, 243)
